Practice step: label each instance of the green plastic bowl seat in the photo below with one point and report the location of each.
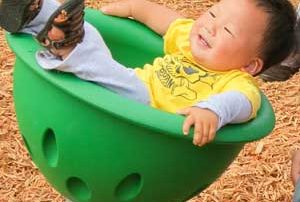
(94, 145)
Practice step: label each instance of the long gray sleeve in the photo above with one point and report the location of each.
(230, 106)
(91, 60)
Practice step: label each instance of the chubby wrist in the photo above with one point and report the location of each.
(136, 6)
(212, 108)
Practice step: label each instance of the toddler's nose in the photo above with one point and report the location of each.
(210, 29)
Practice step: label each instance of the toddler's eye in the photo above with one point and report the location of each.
(212, 14)
(228, 31)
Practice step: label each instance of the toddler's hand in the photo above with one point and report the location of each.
(295, 171)
(205, 124)
(120, 9)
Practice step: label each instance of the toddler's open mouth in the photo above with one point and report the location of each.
(203, 41)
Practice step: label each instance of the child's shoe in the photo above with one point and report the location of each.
(64, 29)
(15, 14)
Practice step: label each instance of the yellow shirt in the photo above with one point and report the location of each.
(176, 81)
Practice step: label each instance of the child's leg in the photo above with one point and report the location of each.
(28, 16)
(38, 23)
(89, 58)
(14, 14)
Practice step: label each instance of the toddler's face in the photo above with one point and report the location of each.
(228, 35)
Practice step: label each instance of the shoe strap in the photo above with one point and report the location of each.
(72, 27)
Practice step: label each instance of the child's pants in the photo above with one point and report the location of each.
(90, 60)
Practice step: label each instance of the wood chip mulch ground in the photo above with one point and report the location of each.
(261, 172)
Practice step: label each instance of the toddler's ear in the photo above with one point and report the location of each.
(254, 67)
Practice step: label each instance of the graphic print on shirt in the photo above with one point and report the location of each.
(182, 77)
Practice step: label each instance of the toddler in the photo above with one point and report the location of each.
(206, 73)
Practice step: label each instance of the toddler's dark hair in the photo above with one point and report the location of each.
(279, 38)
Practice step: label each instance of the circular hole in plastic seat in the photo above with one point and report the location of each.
(78, 188)
(129, 187)
(50, 148)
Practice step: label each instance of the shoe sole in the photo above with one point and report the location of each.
(12, 14)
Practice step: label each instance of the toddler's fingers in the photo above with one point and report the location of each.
(188, 122)
(121, 9)
(212, 133)
(198, 133)
(205, 135)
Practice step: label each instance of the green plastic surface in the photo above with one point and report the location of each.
(94, 145)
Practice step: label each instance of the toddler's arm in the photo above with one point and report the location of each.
(155, 16)
(210, 115)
